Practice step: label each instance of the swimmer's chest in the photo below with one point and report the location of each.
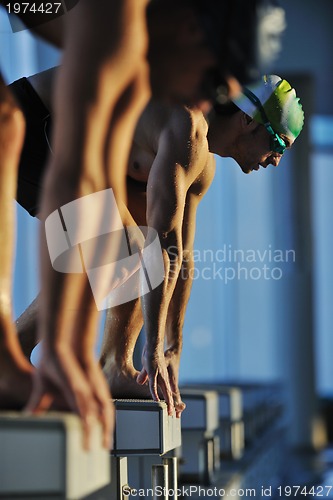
(140, 163)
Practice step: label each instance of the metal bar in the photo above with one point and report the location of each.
(159, 480)
(172, 464)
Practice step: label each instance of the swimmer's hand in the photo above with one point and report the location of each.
(155, 371)
(65, 383)
(172, 360)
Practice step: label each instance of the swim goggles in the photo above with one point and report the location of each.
(277, 145)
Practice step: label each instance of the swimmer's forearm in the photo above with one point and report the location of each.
(178, 304)
(156, 302)
(154, 310)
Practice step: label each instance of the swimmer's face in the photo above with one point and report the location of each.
(254, 149)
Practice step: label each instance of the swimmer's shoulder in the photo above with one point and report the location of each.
(153, 121)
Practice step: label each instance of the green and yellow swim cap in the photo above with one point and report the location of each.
(283, 109)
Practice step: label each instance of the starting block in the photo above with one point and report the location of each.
(231, 418)
(232, 433)
(143, 427)
(144, 431)
(200, 444)
(246, 409)
(43, 456)
(253, 403)
(262, 404)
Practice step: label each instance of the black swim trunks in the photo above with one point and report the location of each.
(36, 147)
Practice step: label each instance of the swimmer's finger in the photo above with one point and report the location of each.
(167, 394)
(142, 377)
(153, 386)
(40, 400)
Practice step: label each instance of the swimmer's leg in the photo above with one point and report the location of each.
(15, 370)
(122, 328)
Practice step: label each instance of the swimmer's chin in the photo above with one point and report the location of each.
(249, 170)
(246, 170)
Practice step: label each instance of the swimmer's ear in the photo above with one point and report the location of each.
(247, 122)
(234, 88)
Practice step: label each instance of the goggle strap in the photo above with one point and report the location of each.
(254, 99)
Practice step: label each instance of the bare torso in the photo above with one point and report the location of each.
(153, 122)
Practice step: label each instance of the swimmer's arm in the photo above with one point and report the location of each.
(179, 301)
(182, 291)
(166, 193)
(165, 212)
(181, 295)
